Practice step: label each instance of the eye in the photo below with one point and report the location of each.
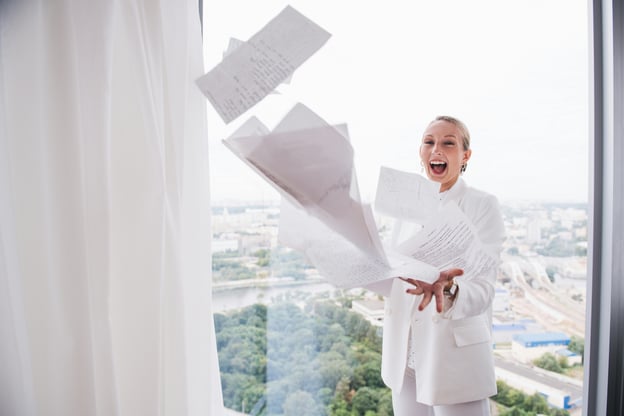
(428, 141)
(449, 143)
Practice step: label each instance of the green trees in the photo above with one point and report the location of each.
(364, 400)
(517, 403)
(561, 364)
(557, 247)
(300, 403)
(549, 362)
(320, 360)
(577, 345)
(279, 262)
(325, 361)
(288, 263)
(264, 257)
(227, 266)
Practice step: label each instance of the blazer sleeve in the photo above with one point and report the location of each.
(476, 293)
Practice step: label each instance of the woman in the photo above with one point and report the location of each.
(437, 357)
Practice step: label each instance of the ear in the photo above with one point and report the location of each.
(467, 154)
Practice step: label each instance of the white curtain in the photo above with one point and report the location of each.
(105, 297)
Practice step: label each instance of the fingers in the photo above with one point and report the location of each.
(417, 290)
(439, 296)
(425, 300)
(416, 283)
(408, 280)
(451, 273)
(432, 290)
(435, 290)
(420, 287)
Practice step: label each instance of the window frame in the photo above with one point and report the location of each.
(603, 384)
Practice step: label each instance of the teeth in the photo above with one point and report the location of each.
(438, 163)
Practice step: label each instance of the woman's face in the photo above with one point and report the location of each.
(442, 153)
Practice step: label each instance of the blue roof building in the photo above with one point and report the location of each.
(503, 333)
(541, 339)
(528, 346)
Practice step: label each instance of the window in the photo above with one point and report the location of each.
(516, 73)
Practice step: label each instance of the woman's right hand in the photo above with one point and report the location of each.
(431, 290)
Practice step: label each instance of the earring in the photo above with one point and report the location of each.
(463, 167)
(422, 167)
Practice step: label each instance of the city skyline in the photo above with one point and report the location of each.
(538, 309)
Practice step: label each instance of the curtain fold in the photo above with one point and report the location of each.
(105, 297)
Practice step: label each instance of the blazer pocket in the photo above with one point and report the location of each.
(471, 334)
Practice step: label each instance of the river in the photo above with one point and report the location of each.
(227, 299)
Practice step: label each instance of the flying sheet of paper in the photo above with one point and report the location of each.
(449, 240)
(250, 128)
(258, 66)
(311, 164)
(234, 44)
(405, 195)
(338, 260)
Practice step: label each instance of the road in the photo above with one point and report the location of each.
(544, 301)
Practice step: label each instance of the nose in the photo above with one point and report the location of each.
(436, 149)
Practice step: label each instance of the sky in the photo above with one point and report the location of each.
(516, 72)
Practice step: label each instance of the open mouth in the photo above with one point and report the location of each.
(438, 167)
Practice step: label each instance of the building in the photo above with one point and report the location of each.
(502, 299)
(559, 391)
(573, 358)
(530, 345)
(371, 309)
(224, 245)
(502, 334)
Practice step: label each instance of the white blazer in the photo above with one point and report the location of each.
(452, 350)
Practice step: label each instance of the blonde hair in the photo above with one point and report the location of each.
(460, 125)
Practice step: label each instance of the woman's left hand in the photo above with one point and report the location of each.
(431, 290)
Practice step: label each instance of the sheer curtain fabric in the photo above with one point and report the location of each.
(105, 297)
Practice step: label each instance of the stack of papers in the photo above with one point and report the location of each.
(310, 163)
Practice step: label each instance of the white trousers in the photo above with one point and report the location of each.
(405, 403)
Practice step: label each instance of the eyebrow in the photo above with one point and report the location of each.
(448, 135)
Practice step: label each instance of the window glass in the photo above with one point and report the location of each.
(516, 72)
